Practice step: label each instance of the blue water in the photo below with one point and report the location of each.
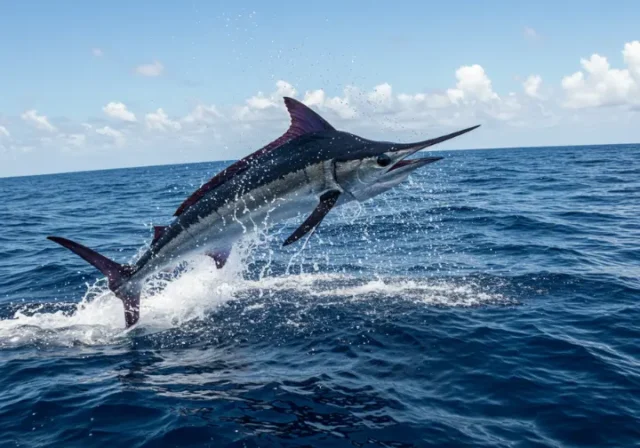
(492, 300)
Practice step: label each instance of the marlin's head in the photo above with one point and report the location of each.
(390, 179)
(367, 168)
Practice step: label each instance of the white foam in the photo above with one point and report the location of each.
(427, 291)
(98, 318)
(431, 292)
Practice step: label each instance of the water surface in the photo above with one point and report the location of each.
(492, 300)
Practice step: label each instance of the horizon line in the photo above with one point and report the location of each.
(233, 160)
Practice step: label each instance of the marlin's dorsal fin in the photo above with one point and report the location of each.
(303, 121)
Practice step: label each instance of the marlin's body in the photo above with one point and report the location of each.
(309, 170)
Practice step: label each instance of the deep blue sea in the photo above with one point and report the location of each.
(493, 300)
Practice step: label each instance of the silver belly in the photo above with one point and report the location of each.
(296, 194)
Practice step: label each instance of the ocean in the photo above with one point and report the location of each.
(493, 300)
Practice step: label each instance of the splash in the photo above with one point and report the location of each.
(98, 318)
(197, 289)
(191, 292)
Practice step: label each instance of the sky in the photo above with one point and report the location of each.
(97, 85)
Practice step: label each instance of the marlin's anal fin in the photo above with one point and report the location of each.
(327, 201)
(220, 256)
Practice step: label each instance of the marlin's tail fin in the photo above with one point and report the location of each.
(117, 274)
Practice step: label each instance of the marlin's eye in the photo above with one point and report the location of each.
(384, 160)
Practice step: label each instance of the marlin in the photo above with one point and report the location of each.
(310, 169)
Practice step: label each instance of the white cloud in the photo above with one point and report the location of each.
(160, 121)
(455, 95)
(382, 95)
(314, 98)
(600, 85)
(631, 54)
(531, 33)
(97, 52)
(109, 132)
(507, 109)
(258, 106)
(283, 88)
(151, 70)
(341, 106)
(4, 132)
(117, 136)
(532, 86)
(424, 101)
(39, 121)
(473, 84)
(77, 140)
(119, 111)
(203, 114)
(261, 102)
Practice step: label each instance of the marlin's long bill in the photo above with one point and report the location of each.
(434, 141)
(310, 169)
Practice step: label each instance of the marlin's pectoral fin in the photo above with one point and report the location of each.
(327, 201)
